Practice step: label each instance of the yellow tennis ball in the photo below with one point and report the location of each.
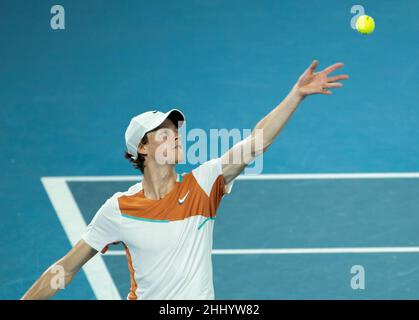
(365, 24)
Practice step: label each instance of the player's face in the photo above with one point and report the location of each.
(164, 144)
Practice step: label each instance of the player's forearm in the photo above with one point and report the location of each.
(48, 284)
(272, 124)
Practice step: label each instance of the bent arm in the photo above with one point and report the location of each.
(70, 264)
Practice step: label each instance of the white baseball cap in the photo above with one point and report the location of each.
(145, 122)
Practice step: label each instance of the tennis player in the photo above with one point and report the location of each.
(165, 222)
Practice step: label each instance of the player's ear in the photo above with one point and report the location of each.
(143, 146)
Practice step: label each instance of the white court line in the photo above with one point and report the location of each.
(96, 270)
(301, 251)
(291, 176)
(74, 225)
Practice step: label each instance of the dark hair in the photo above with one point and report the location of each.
(139, 162)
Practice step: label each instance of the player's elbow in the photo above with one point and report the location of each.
(266, 147)
(259, 143)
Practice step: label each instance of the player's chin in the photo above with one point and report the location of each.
(178, 156)
(175, 157)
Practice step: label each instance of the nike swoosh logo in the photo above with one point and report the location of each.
(182, 200)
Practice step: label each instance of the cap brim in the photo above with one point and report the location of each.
(176, 116)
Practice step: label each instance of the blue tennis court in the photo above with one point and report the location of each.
(339, 187)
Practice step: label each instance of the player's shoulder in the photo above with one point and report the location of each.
(132, 190)
(205, 174)
(208, 169)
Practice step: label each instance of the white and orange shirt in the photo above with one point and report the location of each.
(168, 242)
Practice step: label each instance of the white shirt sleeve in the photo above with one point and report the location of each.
(207, 175)
(104, 228)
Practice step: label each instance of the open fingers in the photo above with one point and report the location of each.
(312, 67)
(325, 92)
(337, 78)
(333, 67)
(333, 85)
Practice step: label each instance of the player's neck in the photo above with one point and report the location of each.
(158, 180)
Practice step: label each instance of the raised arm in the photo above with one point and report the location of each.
(46, 286)
(268, 128)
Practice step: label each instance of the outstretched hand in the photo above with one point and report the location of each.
(311, 82)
